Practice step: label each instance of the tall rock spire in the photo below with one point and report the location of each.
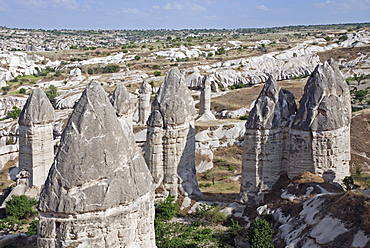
(144, 102)
(36, 146)
(170, 151)
(99, 189)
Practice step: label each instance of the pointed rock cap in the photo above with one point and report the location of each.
(155, 119)
(98, 166)
(325, 104)
(122, 101)
(262, 114)
(173, 100)
(145, 88)
(37, 109)
(273, 107)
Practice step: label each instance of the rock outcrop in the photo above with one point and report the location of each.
(99, 190)
(36, 146)
(263, 151)
(205, 101)
(170, 145)
(320, 133)
(314, 138)
(144, 102)
(123, 104)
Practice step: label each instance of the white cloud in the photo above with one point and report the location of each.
(70, 4)
(132, 11)
(32, 3)
(343, 5)
(262, 8)
(181, 5)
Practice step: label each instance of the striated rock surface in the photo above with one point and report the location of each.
(144, 102)
(320, 134)
(99, 190)
(123, 103)
(170, 143)
(205, 101)
(263, 147)
(314, 138)
(36, 146)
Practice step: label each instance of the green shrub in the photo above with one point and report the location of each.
(32, 229)
(15, 113)
(20, 207)
(244, 117)
(5, 89)
(137, 57)
(349, 183)
(211, 213)
(260, 234)
(52, 93)
(22, 91)
(157, 73)
(167, 209)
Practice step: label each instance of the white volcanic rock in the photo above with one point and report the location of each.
(99, 190)
(122, 102)
(314, 138)
(205, 113)
(170, 143)
(144, 102)
(8, 102)
(36, 146)
(75, 72)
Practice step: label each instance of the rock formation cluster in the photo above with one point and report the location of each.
(170, 145)
(99, 190)
(279, 138)
(36, 145)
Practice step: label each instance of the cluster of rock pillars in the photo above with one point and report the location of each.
(99, 190)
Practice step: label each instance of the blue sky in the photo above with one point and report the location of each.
(178, 14)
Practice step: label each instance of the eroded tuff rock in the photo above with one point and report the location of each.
(99, 190)
(320, 134)
(123, 103)
(36, 146)
(314, 138)
(144, 102)
(170, 145)
(263, 148)
(205, 101)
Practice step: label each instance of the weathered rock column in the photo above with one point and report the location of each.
(263, 146)
(144, 102)
(205, 101)
(170, 146)
(320, 134)
(123, 104)
(36, 145)
(99, 190)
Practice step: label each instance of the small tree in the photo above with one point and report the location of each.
(167, 209)
(349, 183)
(20, 207)
(52, 93)
(157, 73)
(260, 234)
(137, 57)
(15, 113)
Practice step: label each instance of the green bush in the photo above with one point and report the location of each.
(167, 209)
(211, 213)
(349, 183)
(137, 57)
(244, 117)
(52, 93)
(260, 234)
(157, 73)
(5, 89)
(32, 229)
(22, 91)
(20, 207)
(15, 113)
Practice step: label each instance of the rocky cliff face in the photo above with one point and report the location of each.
(170, 144)
(36, 145)
(279, 138)
(99, 190)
